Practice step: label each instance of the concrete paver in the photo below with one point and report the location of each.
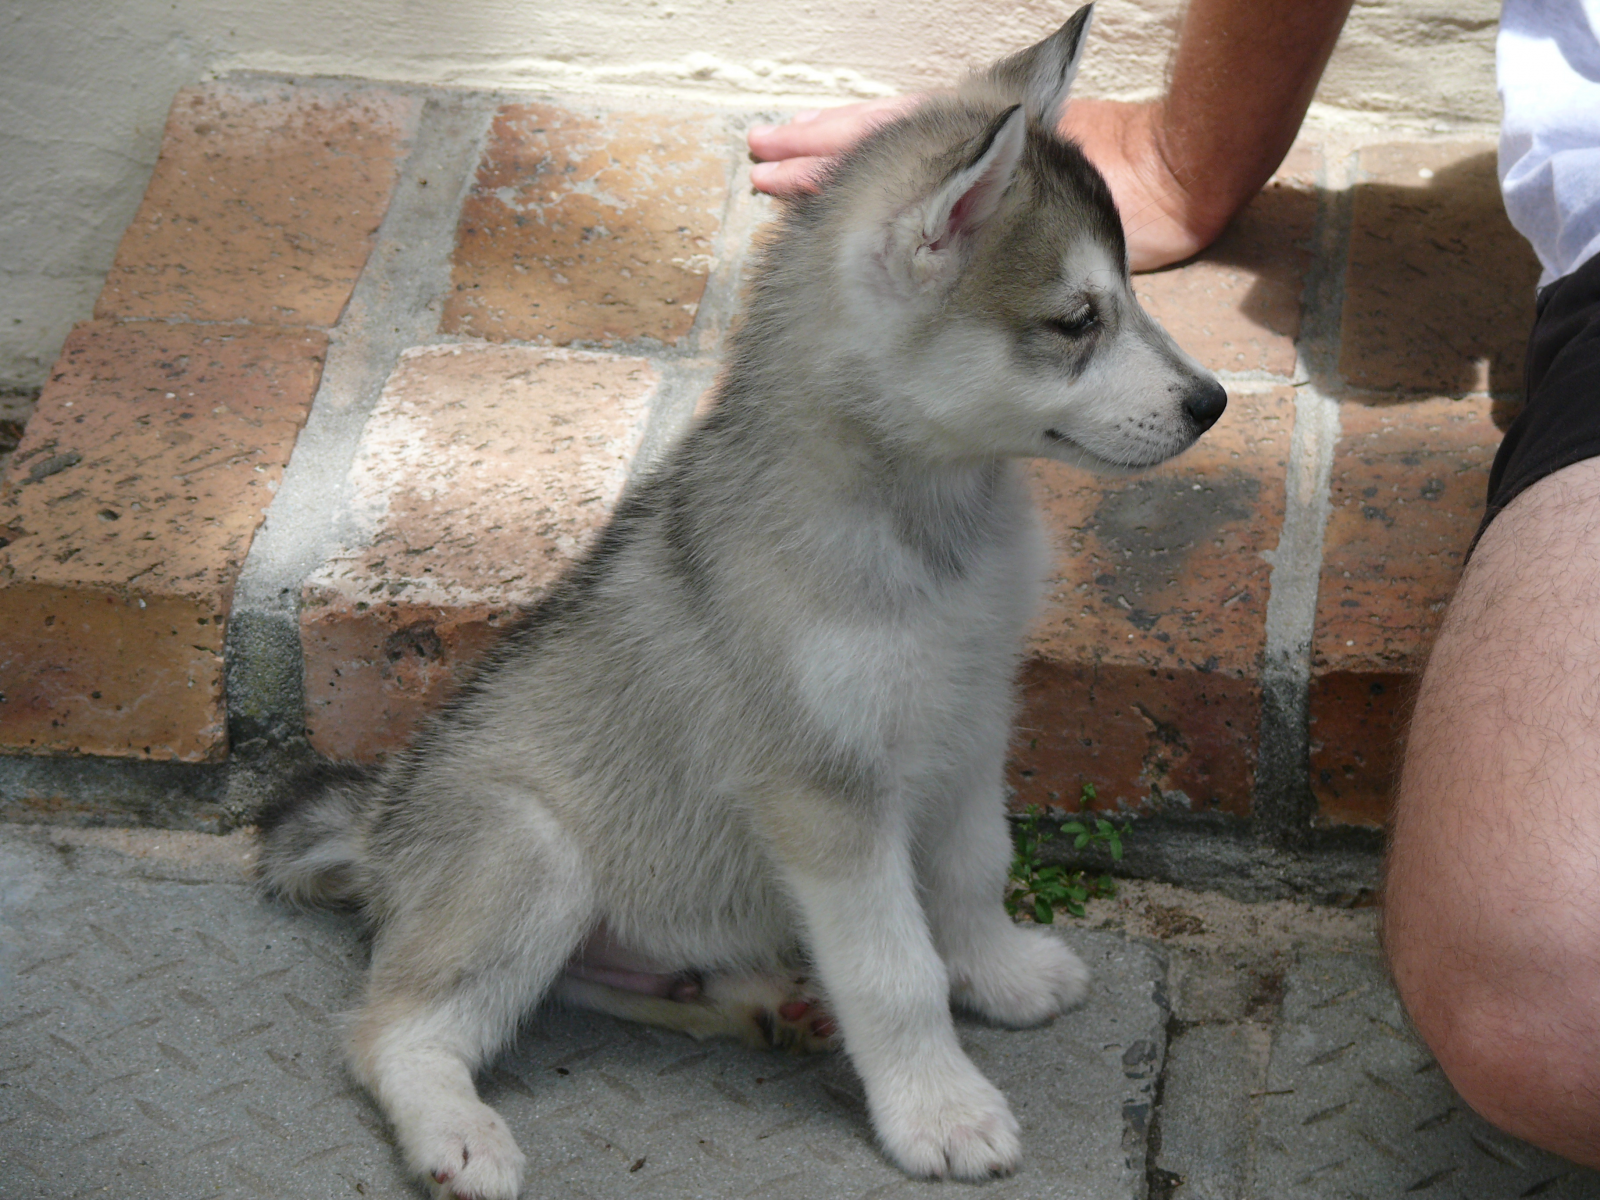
(1211, 1093)
(166, 1035)
(165, 1032)
(1356, 1106)
(169, 1033)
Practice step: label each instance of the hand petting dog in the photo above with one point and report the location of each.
(1181, 167)
(1158, 211)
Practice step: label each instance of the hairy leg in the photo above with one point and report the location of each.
(1492, 921)
(1012, 975)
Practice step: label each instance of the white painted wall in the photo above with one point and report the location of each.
(85, 84)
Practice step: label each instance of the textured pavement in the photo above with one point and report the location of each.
(1354, 1106)
(164, 1032)
(168, 1033)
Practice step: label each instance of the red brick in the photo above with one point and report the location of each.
(375, 668)
(1358, 722)
(102, 671)
(583, 228)
(128, 510)
(1139, 734)
(1144, 673)
(482, 473)
(1439, 288)
(1406, 497)
(1237, 306)
(263, 205)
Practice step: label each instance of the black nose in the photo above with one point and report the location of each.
(1205, 403)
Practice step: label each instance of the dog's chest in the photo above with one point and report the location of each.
(926, 670)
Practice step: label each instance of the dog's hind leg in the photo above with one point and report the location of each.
(1012, 975)
(482, 937)
(767, 1011)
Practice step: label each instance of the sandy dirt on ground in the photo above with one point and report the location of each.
(1201, 921)
(232, 853)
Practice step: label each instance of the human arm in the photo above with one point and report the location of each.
(1180, 167)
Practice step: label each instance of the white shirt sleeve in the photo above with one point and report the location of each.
(1547, 61)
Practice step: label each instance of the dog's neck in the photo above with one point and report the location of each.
(816, 441)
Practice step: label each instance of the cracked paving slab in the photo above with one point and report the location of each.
(165, 1032)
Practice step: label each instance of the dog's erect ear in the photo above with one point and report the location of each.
(1042, 75)
(970, 196)
(924, 243)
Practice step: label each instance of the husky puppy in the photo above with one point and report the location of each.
(763, 722)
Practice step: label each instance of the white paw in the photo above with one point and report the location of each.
(1024, 978)
(962, 1130)
(467, 1153)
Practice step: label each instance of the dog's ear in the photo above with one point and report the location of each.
(969, 197)
(1042, 75)
(929, 238)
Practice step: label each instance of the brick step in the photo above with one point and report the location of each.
(436, 381)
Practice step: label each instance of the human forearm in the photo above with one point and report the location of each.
(1242, 77)
(1240, 81)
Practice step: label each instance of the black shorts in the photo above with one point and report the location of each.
(1560, 421)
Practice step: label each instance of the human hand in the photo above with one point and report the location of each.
(796, 153)
(1166, 214)
(1164, 218)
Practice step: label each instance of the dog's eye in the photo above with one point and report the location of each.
(1075, 325)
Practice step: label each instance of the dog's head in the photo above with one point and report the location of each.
(981, 263)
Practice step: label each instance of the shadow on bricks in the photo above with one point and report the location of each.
(1439, 287)
(1238, 306)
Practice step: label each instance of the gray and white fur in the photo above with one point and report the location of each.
(760, 727)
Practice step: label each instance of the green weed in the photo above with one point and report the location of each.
(1039, 890)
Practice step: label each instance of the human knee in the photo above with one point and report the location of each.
(1528, 1071)
(1508, 1011)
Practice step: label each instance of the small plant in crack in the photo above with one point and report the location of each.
(1036, 889)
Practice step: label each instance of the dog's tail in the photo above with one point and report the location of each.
(313, 837)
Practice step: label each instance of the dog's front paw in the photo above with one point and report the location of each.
(961, 1130)
(468, 1154)
(1024, 978)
